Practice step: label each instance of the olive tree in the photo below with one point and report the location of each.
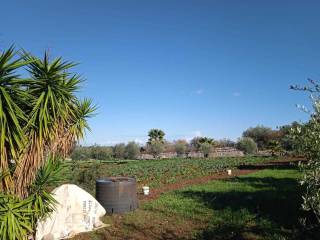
(155, 148)
(307, 142)
(206, 148)
(247, 145)
(132, 150)
(196, 142)
(119, 151)
(260, 134)
(181, 147)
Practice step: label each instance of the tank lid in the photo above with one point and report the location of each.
(116, 179)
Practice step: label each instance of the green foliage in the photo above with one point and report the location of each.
(275, 147)
(16, 217)
(205, 148)
(260, 134)
(40, 116)
(81, 153)
(197, 141)
(156, 135)
(43, 202)
(311, 197)
(132, 150)
(155, 148)
(153, 173)
(181, 147)
(12, 116)
(100, 152)
(86, 177)
(247, 145)
(286, 141)
(119, 151)
(92, 152)
(307, 142)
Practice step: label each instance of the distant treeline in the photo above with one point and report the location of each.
(252, 140)
(119, 151)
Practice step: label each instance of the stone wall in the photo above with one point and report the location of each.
(218, 152)
(227, 152)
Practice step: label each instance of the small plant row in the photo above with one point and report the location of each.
(154, 173)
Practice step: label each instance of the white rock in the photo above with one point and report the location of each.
(76, 212)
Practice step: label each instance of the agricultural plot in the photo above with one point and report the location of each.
(254, 206)
(154, 173)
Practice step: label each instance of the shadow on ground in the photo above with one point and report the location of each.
(271, 210)
(249, 208)
(272, 165)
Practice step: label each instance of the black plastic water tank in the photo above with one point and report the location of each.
(117, 194)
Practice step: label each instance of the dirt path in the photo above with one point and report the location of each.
(156, 192)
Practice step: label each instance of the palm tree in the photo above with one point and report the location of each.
(156, 135)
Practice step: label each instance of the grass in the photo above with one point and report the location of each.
(262, 205)
(154, 173)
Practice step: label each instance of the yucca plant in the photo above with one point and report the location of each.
(41, 118)
(56, 120)
(48, 175)
(16, 217)
(12, 116)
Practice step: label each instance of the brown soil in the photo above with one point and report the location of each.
(155, 193)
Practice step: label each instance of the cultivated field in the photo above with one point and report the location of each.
(261, 205)
(195, 199)
(154, 173)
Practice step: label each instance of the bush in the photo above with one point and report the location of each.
(132, 150)
(119, 151)
(101, 152)
(247, 145)
(196, 142)
(306, 139)
(286, 140)
(307, 142)
(260, 134)
(86, 177)
(205, 148)
(181, 147)
(93, 152)
(81, 153)
(155, 148)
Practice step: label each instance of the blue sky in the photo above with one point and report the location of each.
(203, 67)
